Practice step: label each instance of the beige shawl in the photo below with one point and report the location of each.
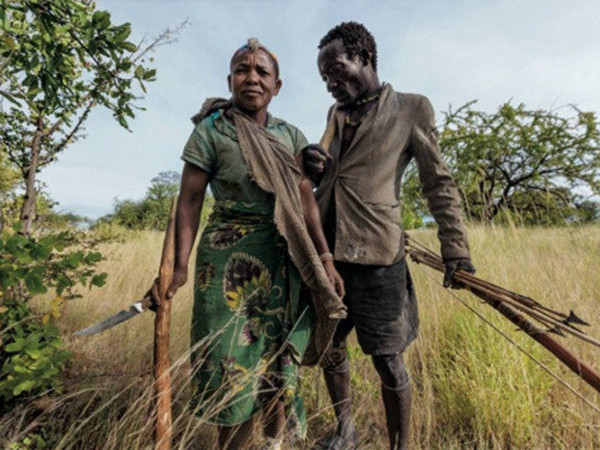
(275, 170)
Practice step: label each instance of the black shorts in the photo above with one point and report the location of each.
(382, 305)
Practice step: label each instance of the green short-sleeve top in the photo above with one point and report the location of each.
(214, 148)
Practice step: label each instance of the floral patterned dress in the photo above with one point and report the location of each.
(249, 326)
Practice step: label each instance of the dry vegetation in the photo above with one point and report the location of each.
(472, 388)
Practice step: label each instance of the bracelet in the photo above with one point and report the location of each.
(327, 256)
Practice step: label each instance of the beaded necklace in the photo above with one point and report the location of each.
(363, 101)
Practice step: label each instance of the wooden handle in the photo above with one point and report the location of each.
(162, 328)
(328, 134)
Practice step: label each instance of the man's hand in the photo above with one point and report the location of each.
(452, 265)
(316, 160)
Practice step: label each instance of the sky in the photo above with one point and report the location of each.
(542, 53)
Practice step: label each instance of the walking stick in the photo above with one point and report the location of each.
(162, 328)
(328, 134)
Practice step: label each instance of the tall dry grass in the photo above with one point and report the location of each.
(472, 388)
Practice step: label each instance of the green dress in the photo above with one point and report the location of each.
(249, 326)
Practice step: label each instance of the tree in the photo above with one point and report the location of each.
(536, 166)
(9, 178)
(59, 59)
(152, 212)
(162, 189)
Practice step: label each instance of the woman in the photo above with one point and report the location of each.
(251, 325)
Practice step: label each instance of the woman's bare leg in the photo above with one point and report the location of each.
(274, 418)
(236, 437)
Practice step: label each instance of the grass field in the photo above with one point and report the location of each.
(472, 388)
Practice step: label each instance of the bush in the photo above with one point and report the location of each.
(31, 355)
(112, 232)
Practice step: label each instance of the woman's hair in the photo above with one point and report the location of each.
(253, 45)
(355, 38)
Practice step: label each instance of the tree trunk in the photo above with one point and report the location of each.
(28, 208)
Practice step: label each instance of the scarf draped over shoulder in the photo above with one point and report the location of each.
(274, 169)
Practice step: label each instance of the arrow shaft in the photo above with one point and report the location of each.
(543, 337)
(486, 291)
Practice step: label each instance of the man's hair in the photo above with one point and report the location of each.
(355, 37)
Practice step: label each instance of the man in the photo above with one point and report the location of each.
(377, 132)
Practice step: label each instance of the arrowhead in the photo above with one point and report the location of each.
(572, 318)
(556, 330)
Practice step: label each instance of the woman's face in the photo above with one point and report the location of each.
(253, 81)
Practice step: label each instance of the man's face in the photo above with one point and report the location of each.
(253, 81)
(345, 77)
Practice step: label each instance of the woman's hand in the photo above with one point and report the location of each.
(334, 278)
(153, 296)
(179, 279)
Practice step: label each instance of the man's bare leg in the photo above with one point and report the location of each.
(337, 379)
(397, 398)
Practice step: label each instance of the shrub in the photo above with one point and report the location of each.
(31, 354)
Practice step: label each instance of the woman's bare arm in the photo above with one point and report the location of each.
(189, 204)
(315, 229)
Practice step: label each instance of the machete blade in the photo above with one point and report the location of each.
(121, 316)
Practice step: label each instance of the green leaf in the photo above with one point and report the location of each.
(9, 42)
(16, 346)
(99, 280)
(26, 385)
(122, 122)
(73, 260)
(34, 283)
(93, 257)
(129, 46)
(101, 20)
(62, 282)
(33, 92)
(10, 98)
(123, 32)
(20, 369)
(149, 75)
(34, 353)
(139, 71)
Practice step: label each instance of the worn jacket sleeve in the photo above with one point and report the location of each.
(438, 186)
